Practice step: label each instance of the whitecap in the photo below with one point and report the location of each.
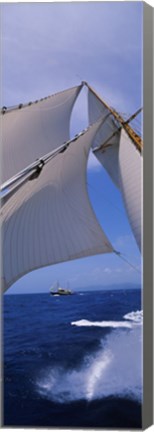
(131, 319)
(136, 316)
(113, 324)
(113, 370)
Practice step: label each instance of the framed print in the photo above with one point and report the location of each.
(77, 214)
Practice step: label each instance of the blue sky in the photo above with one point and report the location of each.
(48, 47)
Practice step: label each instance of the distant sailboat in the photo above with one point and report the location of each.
(56, 290)
(45, 210)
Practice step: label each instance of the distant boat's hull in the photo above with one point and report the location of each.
(60, 293)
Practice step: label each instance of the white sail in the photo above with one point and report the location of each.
(108, 157)
(107, 154)
(50, 219)
(130, 162)
(121, 159)
(34, 130)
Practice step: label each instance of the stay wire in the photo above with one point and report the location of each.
(126, 260)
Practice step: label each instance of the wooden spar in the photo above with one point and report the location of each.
(31, 172)
(105, 143)
(124, 123)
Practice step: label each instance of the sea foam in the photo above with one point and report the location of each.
(133, 318)
(136, 317)
(115, 369)
(113, 324)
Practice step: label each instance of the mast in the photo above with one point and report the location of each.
(124, 123)
(119, 151)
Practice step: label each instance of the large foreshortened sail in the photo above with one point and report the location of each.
(122, 159)
(50, 219)
(46, 214)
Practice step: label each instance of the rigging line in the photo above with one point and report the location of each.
(9, 192)
(33, 170)
(137, 120)
(34, 166)
(126, 260)
(49, 108)
(138, 130)
(133, 116)
(116, 131)
(6, 110)
(136, 124)
(78, 76)
(134, 137)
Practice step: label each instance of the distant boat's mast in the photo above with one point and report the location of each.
(124, 123)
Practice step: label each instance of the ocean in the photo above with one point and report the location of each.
(73, 361)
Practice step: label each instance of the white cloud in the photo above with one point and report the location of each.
(124, 240)
(107, 270)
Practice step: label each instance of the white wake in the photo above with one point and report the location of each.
(113, 324)
(113, 370)
(133, 319)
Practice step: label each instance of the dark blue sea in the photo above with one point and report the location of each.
(73, 361)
